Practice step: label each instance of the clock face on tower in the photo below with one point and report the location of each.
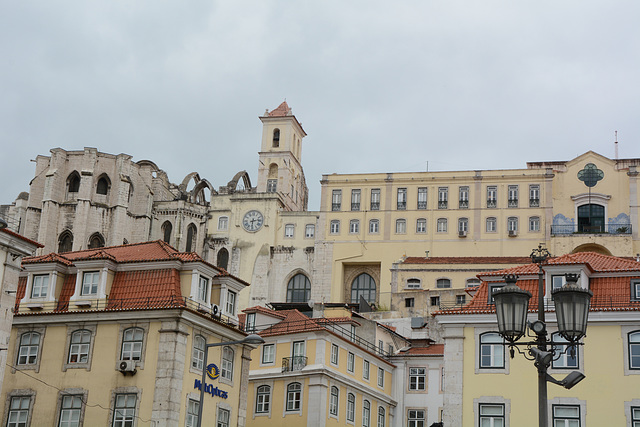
(252, 221)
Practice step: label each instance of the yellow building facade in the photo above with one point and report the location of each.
(317, 372)
(368, 222)
(116, 336)
(483, 384)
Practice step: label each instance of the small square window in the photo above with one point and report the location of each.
(409, 302)
(272, 185)
(417, 379)
(268, 353)
(435, 301)
(40, 286)
(461, 299)
(223, 223)
(492, 289)
(90, 283)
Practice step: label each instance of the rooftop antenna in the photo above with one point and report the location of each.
(616, 145)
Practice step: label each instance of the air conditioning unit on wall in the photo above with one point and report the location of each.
(513, 233)
(462, 234)
(127, 366)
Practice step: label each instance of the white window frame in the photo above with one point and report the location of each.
(442, 225)
(334, 226)
(443, 197)
(263, 400)
(223, 417)
(288, 231)
(534, 224)
(351, 407)
(463, 195)
(375, 199)
(336, 200)
(380, 377)
(294, 397)
(230, 303)
(491, 224)
(203, 289)
(495, 350)
(416, 418)
(366, 413)
(561, 354)
(422, 198)
(351, 362)
(366, 367)
(374, 226)
(417, 378)
(334, 401)
(39, 279)
(335, 354)
(401, 226)
(512, 223)
(534, 194)
(268, 354)
(223, 223)
(401, 204)
(355, 199)
(197, 354)
(309, 231)
(463, 225)
(512, 196)
(227, 363)
(272, 185)
(354, 226)
(124, 415)
(492, 197)
(421, 225)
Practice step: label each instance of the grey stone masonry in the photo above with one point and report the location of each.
(169, 374)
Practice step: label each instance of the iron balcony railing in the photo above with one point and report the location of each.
(422, 205)
(335, 206)
(402, 206)
(355, 206)
(512, 203)
(442, 204)
(464, 204)
(591, 229)
(32, 306)
(295, 363)
(375, 206)
(534, 203)
(491, 203)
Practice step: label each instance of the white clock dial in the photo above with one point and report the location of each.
(252, 221)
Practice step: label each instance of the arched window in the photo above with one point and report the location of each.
(634, 350)
(191, 234)
(381, 416)
(132, 341)
(333, 401)
(73, 182)
(263, 398)
(276, 137)
(443, 283)
(103, 185)
(65, 242)
(364, 286)
(351, 407)
(294, 396)
(491, 350)
(96, 241)
(167, 228)
(79, 346)
(223, 258)
(366, 413)
(299, 288)
(591, 218)
(29, 346)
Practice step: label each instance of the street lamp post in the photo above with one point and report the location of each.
(572, 309)
(249, 339)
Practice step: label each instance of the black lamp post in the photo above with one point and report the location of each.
(572, 310)
(249, 339)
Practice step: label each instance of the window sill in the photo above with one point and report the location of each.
(35, 306)
(83, 303)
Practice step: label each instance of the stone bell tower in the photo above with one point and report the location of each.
(280, 158)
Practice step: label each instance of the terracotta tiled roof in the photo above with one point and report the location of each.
(609, 292)
(264, 310)
(432, 350)
(282, 110)
(21, 237)
(20, 292)
(156, 250)
(294, 322)
(130, 288)
(467, 260)
(68, 288)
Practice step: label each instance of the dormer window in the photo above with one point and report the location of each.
(90, 281)
(203, 289)
(40, 286)
(635, 290)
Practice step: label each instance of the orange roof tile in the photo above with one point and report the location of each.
(68, 288)
(21, 237)
(156, 250)
(294, 322)
(264, 310)
(336, 320)
(131, 288)
(281, 111)
(20, 292)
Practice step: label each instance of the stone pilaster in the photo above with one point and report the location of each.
(453, 375)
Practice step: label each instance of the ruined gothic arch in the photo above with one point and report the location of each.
(185, 182)
(198, 194)
(96, 241)
(103, 184)
(65, 241)
(246, 182)
(73, 182)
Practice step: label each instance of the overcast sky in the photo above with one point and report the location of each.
(378, 86)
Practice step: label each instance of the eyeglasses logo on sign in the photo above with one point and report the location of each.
(213, 371)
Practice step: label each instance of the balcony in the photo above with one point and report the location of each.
(464, 204)
(442, 204)
(335, 206)
(491, 203)
(512, 203)
(402, 206)
(375, 206)
(534, 203)
(422, 205)
(295, 363)
(355, 206)
(590, 229)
